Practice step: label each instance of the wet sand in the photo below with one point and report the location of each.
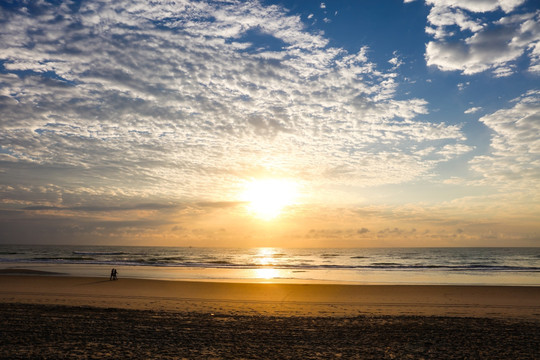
(91, 318)
(274, 299)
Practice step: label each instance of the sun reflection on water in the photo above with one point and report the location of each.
(266, 273)
(265, 257)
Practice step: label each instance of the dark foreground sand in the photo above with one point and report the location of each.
(55, 317)
(62, 332)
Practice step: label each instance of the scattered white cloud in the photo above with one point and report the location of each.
(504, 71)
(478, 5)
(473, 110)
(161, 100)
(514, 161)
(396, 61)
(441, 17)
(462, 86)
(465, 41)
(451, 151)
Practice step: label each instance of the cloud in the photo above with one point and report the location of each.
(337, 234)
(362, 230)
(478, 5)
(473, 110)
(157, 101)
(441, 17)
(453, 150)
(462, 86)
(396, 61)
(102, 208)
(514, 161)
(220, 204)
(467, 42)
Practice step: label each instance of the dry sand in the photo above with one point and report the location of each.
(91, 318)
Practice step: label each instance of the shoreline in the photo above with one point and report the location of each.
(274, 299)
(277, 275)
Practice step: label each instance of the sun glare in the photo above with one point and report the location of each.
(266, 273)
(266, 198)
(265, 257)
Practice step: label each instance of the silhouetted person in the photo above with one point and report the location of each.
(114, 274)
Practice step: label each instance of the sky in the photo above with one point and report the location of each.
(270, 123)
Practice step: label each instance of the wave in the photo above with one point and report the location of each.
(70, 258)
(222, 264)
(386, 264)
(99, 253)
(361, 261)
(173, 258)
(471, 267)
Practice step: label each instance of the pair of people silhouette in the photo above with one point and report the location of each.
(114, 274)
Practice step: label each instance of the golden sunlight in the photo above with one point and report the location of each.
(267, 198)
(265, 257)
(266, 273)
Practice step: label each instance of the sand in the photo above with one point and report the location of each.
(274, 299)
(76, 317)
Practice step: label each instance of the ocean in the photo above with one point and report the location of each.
(455, 266)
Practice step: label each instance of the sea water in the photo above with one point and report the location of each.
(478, 266)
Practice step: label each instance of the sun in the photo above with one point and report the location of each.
(266, 198)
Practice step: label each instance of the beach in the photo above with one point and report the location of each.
(91, 317)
